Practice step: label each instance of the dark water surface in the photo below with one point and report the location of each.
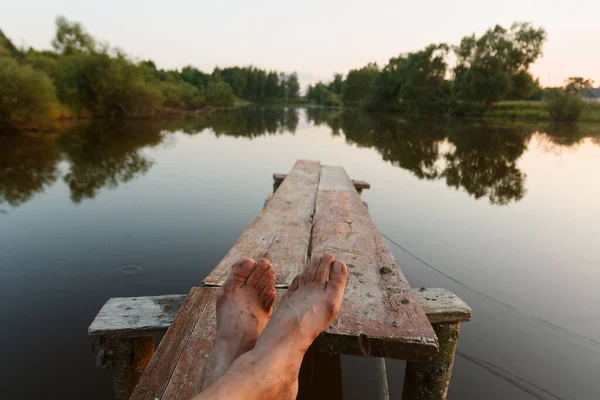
(507, 217)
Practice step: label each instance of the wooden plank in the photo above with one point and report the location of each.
(153, 382)
(183, 380)
(182, 352)
(136, 316)
(442, 306)
(380, 316)
(281, 232)
(358, 184)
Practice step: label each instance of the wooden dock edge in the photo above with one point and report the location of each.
(125, 327)
(359, 185)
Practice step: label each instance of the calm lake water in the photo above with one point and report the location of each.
(505, 216)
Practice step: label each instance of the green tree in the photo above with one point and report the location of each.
(414, 83)
(359, 83)
(293, 86)
(486, 66)
(272, 86)
(575, 84)
(26, 95)
(336, 86)
(566, 104)
(71, 37)
(220, 94)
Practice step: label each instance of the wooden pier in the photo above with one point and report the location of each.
(314, 209)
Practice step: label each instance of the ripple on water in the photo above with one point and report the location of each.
(130, 269)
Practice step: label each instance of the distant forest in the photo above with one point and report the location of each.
(82, 77)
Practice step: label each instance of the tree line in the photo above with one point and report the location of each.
(488, 69)
(84, 77)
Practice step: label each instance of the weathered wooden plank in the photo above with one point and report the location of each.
(281, 232)
(183, 380)
(182, 352)
(153, 382)
(358, 184)
(380, 316)
(136, 316)
(442, 306)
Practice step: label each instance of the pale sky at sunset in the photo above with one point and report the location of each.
(315, 38)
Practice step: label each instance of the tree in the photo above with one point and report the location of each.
(321, 95)
(272, 85)
(576, 84)
(26, 95)
(336, 86)
(523, 86)
(414, 82)
(359, 83)
(486, 66)
(293, 86)
(71, 37)
(220, 94)
(566, 104)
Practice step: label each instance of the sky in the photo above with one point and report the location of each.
(314, 38)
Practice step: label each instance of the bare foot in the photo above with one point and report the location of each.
(244, 307)
(311, 303)
(270, 370)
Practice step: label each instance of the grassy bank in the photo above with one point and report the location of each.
(536, 110)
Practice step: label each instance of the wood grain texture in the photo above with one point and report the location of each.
(153, 382)
(380, 316)
(136, 316)
(358, 184)
(281, 232)
(442, 306)
(185, 375)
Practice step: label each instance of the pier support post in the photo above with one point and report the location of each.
(429, 380)
(127, 358)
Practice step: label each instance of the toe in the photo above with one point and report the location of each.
(240, 271)
(295, 283)
(266, 282)
(302, 277)
(270, 299)
(262, 266)
(312, 270)
(338, 276)
(324, 266)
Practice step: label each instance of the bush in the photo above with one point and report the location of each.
(26, 95)
(565, 106)
(182, 95)
(220, 94)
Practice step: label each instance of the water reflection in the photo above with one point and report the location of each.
(28, 164)
(104, 155)
(481, 159)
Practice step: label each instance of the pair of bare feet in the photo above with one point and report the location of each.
(258, 357)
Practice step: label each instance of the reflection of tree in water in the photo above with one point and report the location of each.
(28, 163)
(480, 159)
(405, 144)
(484, 162)
(247, 122)
(105, 155)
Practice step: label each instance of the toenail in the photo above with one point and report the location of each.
(338, 266)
